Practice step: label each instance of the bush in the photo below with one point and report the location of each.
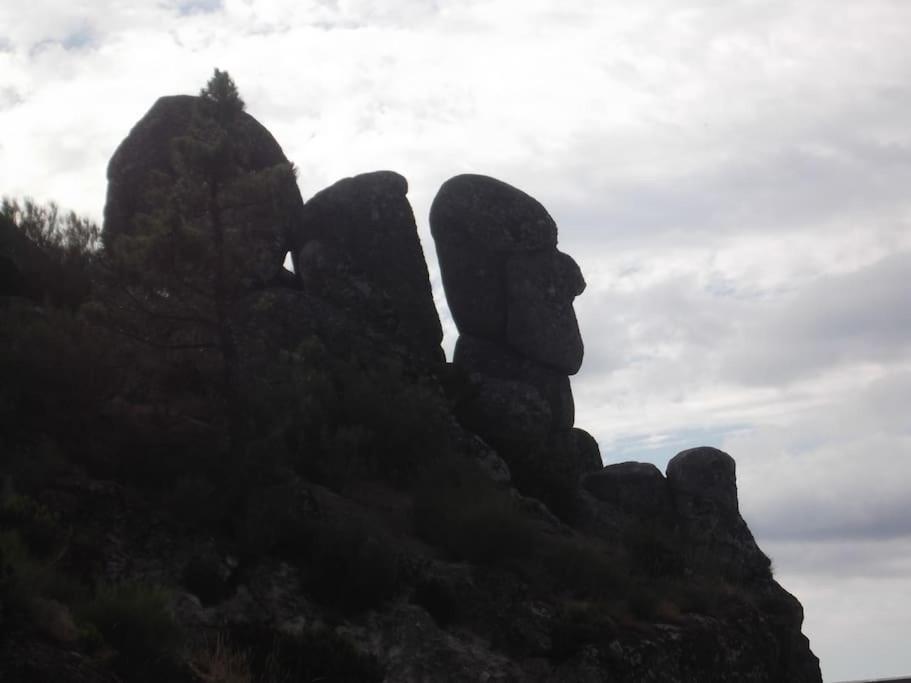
(353, 567)
(37, 526)
(458, 508)
(25, 577)
(218, 662)
(134, 619)
(578, 624)
(317, 654)
(583, 567)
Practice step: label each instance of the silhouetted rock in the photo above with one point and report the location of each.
(635, 488)
(476, 222)
(145, 169)
(493, 360)
(577, 453)
(703, 486)
(505, 408)
(540, 321)
(368, 222)
(700, 475)
(510, 293)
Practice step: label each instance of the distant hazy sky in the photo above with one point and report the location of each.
(733, 176)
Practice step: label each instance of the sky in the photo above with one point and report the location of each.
(733, 177)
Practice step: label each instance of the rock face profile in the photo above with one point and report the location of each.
(505, 280)
(511, 295)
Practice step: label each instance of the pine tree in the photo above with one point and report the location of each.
(183, 269)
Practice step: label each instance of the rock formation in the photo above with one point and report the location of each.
(342, 504)
(147, 181)
(511, 292)
(358, 246)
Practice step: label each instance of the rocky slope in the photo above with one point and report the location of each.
(219, 470)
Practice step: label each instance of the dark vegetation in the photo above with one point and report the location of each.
(132, 390)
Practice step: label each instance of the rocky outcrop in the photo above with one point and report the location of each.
(511, 292)
(147, 182)
(703, 485)
(689, 524)
(505, 280)
(696, 503)
(358, 246)
(637, 489)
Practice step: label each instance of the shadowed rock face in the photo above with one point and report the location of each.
(510, 293)
(505, 280)
(635, 488)
(511, 296)
(540, 321)
(703, 485)
(704, 475)
(491, 360)
(146, 169)
(365, 227)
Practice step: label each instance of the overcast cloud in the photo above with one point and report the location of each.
(731, 176)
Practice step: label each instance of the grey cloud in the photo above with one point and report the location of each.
(808, 521)
(874, 558)
(189, 7)
(83, 37)
(797, 188)
(851, 318)
(9, 97)
(837, 473)
(680, 317)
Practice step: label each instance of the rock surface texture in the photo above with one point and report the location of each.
(361, 232)
(150, 163)
(511, 295)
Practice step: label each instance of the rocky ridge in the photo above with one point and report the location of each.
(536, 563)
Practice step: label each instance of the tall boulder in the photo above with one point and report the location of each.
(358, 241)
(703, 485)
(504, 278)
(147, 169)
(477, 222)
(511, 295)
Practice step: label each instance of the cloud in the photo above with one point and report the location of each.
(186, 7)
(850, 318)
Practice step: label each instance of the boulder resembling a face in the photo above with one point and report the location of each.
(504, 278)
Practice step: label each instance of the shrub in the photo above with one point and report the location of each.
(583, 567)
(37, 526)
(317, 654)
(26, 577)
(578, 624)
(218, 662)
(352, 566)
(134, 619)
(438, 598)
(457, 508)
